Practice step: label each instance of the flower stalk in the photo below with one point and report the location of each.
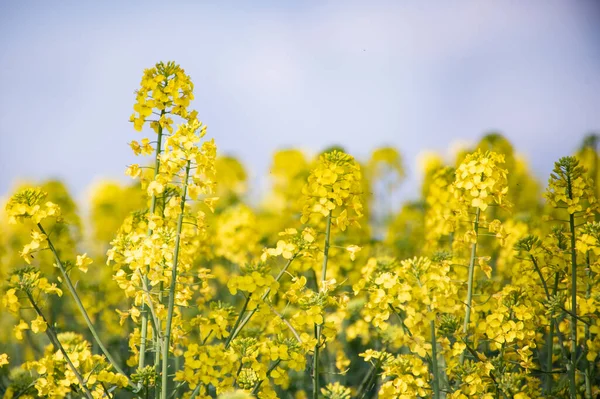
(144, 332)
(171, 300)
(470, 279)
(236, 330)
(573, 371)
(434, 362)
(315, 392)
(79, 304)
(58, 346)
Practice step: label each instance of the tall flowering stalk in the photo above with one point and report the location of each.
(164, 90)
(480, 182)
(234, 303)
(332, 190)
(571, 190)
(163, 247)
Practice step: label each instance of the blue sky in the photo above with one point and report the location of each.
(419, 75)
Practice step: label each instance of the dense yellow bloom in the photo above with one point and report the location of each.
(57, 380)
(29, 204)
(481, 181)
(165, 87)
(333, 185)
(213, 296)
(568, 186)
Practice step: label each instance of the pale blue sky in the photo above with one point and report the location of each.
(268, 75)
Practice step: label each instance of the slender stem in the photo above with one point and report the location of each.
(287, 323)
(561, 341)
(271, 368)
(550, 336)
(58, 346)
(550, 350)
(196, 391)
(157, 352)
(470, 283)
(368, 379)
(573, 307)
(235, 332)
(239, 319)
(434, 362)
(80, 306)
(587, 364)
(144, 333)
(171, 303)
(315, 393)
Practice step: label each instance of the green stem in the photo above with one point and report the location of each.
(271, 368)
(234, 331)
(237, 322)
(171, 300)
(58, 346)
(550, 336)
(144, 333)
(158, 341)
(434, 363)
(315, 392)
(196, 391)
(587, 364)
(470, 283)
(80, 306)
(573, 308)
(367, 381)
(550, 350)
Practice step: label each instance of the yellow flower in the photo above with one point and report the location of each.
(83, 262)
(353, 249)
(334, 184)
(481, 181)
(11, 301)
(38, 325)
(3, 359)
(19, 328)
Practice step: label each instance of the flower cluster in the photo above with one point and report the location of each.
(481, 181)
(179, 286)
(333, 185)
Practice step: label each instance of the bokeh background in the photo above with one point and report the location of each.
(269, 75)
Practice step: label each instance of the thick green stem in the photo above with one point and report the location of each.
(80, 306)
(58, 346)
(236, 331)
(434, 362)
(171, 300)
(315, 393)
(470, 283)
(144, 333)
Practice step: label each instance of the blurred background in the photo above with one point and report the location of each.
(419, 76)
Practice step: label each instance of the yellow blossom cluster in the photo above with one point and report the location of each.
(56, 378)
(481, 181)
(181, 286)
(334, 184)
